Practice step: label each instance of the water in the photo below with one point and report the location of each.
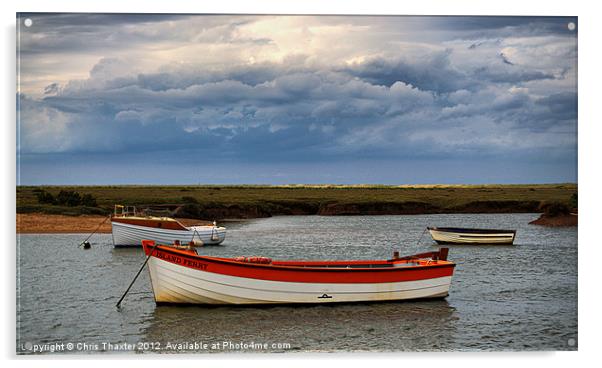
(521, 297)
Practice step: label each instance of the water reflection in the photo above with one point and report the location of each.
(424, 325)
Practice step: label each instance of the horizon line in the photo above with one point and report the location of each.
(300, 185)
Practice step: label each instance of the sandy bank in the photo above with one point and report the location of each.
(38, 223)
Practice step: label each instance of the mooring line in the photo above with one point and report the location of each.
(118, 305)
(421, 235)
(94, 232)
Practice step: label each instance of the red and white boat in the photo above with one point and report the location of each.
(129, 229)
(181, 276)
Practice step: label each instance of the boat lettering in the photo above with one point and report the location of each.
(195, 264)
(169, 257)
(182, 261)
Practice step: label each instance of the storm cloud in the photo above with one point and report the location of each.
(244, 90)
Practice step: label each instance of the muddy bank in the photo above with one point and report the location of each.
(40, 223)
(556, 214)
(556, 221)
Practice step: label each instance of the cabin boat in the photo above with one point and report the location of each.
(459, 235)
(129, 228)
(179, 275)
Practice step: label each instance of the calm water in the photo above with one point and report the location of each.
(521, 297)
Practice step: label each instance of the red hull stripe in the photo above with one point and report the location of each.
(280, 272)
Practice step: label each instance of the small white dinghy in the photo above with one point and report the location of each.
(129, 229)
(460, 235)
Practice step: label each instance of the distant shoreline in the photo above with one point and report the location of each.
(40, 223)
(212, 202)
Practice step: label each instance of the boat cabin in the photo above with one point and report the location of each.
(130, 215)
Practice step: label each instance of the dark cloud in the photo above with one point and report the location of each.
(513, 76)
(302, 114)
(504, 26)
(505, 59)
(438, 100)
(76, 32)
(72, 20)
(434, 73)
(100, 32)
(51, 89)
(562, 106)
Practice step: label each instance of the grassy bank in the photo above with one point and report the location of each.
(245, 201)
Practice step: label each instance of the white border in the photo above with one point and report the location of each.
(589, 164)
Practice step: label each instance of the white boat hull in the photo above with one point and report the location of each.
(173, 283)
(446, 237)
(127, 235)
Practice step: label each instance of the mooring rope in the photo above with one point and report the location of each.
(99, 225)
(199, 235)
(214, 232)
(421, 235)
(118, 305)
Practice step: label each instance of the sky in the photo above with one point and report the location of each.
(236, 99)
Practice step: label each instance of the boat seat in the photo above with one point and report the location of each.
(259, 260)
